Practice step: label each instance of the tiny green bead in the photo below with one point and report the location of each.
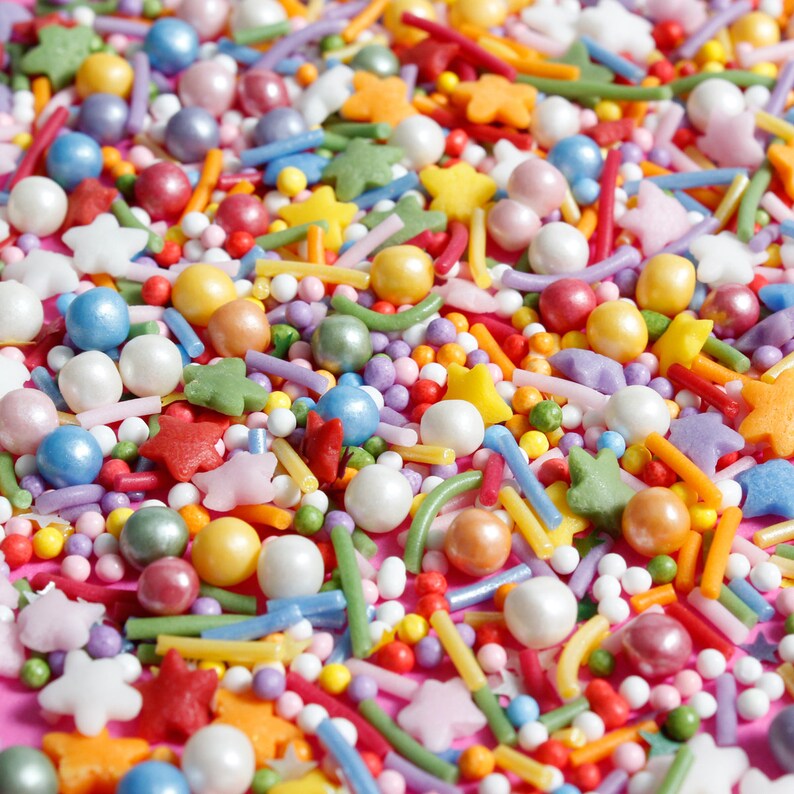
(283, 337)
(789, 624)
(152, 8)
(532, 300)
(762, 217)
(682, 724)
(331, 43)
(96, 44)
(264, 780)
(662, 569)
(359, 457)
(125, 184)
(546, 416)
(301, 411)
(376, 446)
(601, 663)
(154, 91)
(125, 450)
(35, 673)
(308, 520)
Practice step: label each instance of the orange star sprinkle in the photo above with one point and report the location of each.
(772, 414)
(493, 98)
(782, 158)
(268, 733)
(92, 764)
(378, 100)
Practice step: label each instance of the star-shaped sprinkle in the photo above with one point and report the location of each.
(756, 782)
(415, 221)
(290, 767)
(322, 206)
(507, 683)
(476, 386)
(45, 272)
(775, 330)
(378, 100)
(439, 713)
(770, 419)
(557, 20)
(611, 25)
(704, 439)
(682, 341)
(431, 58)
(54, 623)
(768, 489)
(184, 447)
(590, 369)
(363, 165)
(268, 733)
(781, 156)
(92, 764)
(224, 388)
(103, 246)
(508, 157)
(571, 523)
(87, 201)
(244, 479)
(578, 56)
(585, 608)
(723, 259)
(176, 702)
(494, 98)
(93, 691)
(716, 769)
(730, 140)
(59, 53)
(313, 783)
(597, 492)
(587, 543)
(657, 220)
(12, 651)
(761, 649)
(659, 744)
(457, 191)
(322, 446)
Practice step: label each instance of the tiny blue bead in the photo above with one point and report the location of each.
(577, 157)
(567, 788)
(171, 44)
(307, 401)
(69, 455)
(609, 439)
(586, 191)
(98, 319)
(153, 777)
(356, 409)
(522, 709)
(351, 379)
(72, 158)
(63, 301)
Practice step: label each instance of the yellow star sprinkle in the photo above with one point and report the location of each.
(571, 524)
(477, 387)
(457, 191)
(681, 342)
(313, 783)
(322, 206)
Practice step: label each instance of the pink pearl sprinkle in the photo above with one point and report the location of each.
(643, 138)
(650, 361)
(784, 601)
(109, 568)
(665, 697)
(588, 118)
(141, 157)
(346, 291)
(629, 757)
(90, 524)
(118, 42)
(19, 526)
(322, 645)
(311, 289)
(76, 568)
(213, 236)
(299, 352)
(391, 782)
(495, 373)
(688, 683)
(607, 291)
(228, 134)
(256, 419)
(370, 591)
(406, 371)
(289, 705)
(12, 254)
(492, 657)
(295, 391)
(14, 353)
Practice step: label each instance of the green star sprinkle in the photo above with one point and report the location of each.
(59, 54)
(224, 388)
(361, 167)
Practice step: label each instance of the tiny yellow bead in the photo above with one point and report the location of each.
(674, 408)
(218, 667)
(447, 82)
(291, 181)
(277, 226)
(412, 629)
(766, 69)
(523, 317)
(48, 543)
(331, 378)
(261, 289)
(685, 493)
(607, 110)
(22, 139)
(534, 443)
(574, 339)
(713, 67)
(277, 399)
(703, 518)
(416, 503)
(773, 252)
(117, 519)
(711, 51)
(554, 436)
(334, 678)
(635, 458)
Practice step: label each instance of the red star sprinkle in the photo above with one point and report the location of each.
(89, 199)
(322, 446)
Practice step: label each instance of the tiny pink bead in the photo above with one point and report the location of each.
(435, 561)
(141, 157)
(83, 287)
(228, 134)
(90, 524)
(588, 118)
(14, 353)
(300, 351)
(298, 23)
(643, 138)
(665, 697)
(346, 291)
(289, 705)
(480, 458)
(607, 291)
(370, 591)
(322, 645)
(495, 373)
(391, 782)
(311, 289)
(76, 568)
(688, 682)
(406, 371)
(12, 254)
(6, 119)
(19, 526)
(119, 42)
(295, 391)
(213, 236)
(784, 601)
(629, 757)
(256, 419)
(591, 436)
(492, 657)
(302, 196)
(109, 568)
(163, 329)
(650, 361)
